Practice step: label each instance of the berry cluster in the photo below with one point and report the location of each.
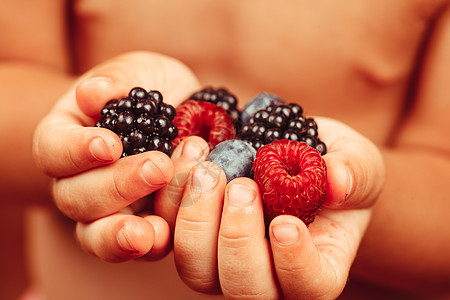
(221, 97)
(142, 121)
(281, 121)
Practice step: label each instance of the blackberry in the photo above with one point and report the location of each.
(142, 121)
(281, 121)
(221, 97)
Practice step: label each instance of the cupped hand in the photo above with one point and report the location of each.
(91, 184)
(220, 242)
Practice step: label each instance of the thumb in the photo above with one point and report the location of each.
(116, 77)
(355, 167)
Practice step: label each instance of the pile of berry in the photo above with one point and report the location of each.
(142, 121)
(270, 141)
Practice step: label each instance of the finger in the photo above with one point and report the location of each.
(314, 263)
(355, 167)
(162, 244)
(197, 227)
(116, 238)
(62, 149)
(186, 155)
(108, 189)
(245, 263)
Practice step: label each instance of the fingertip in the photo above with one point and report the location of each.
(286, 230)
(158, 170)
(116, 238)
(192, 148)
(135, 238)
(94, 92)
(241, 192)
(106, 148)
(162, 241)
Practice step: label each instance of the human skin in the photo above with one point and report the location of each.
(368, 69)
(92, 186)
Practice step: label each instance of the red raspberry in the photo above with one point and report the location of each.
(292, 177)
(203, 119)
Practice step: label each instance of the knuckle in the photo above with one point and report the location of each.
(236, 290)
(66, 204)
(192, 225)
(234, 240)
(38, 153)
(118, 190)
(202, 282)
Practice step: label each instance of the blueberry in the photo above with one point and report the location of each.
(235, 157)
(260, 101)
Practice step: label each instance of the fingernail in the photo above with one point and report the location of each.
(285, 234)
(204, 180)
(124, 240)
(349, 182)
(103, 80)
(152, 174)
(192, 151)
(100, 150)
(240, 195)
(98, 83)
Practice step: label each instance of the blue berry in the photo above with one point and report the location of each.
(260, 101)
(235, 157)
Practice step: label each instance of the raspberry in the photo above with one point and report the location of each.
(281, 121)
(292, 177)
(203, 119)
(142, 121)
(221, 97)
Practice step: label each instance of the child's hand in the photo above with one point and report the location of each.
(220, 244)
(91, 185)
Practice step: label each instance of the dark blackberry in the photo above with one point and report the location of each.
(147, 106)
(310, 140)
(292, 135)
(277, 120)
(125, 104)
(321, 147)
(258, 130)
(138, 93)
(142, 121)
(281, 121)
(168, 111)
(297, 124)
(223, 98)
(272, 134)
(155, 143)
